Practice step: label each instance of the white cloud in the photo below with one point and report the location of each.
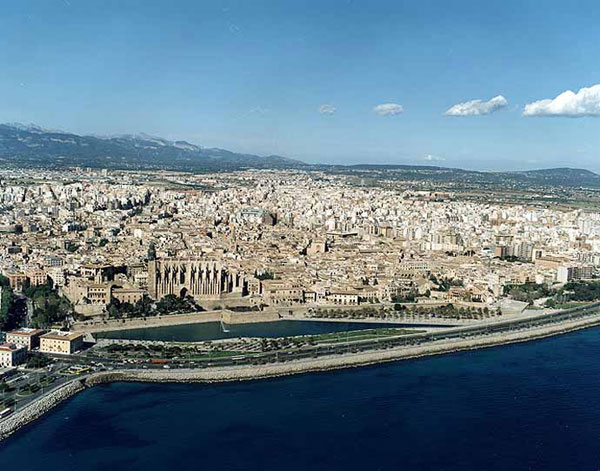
(432, 158)
(586, 102)
(326, 109)
(477, 107)
(388, 109)
(258, 110)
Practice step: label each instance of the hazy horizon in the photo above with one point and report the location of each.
(434, 164)
(483, 86)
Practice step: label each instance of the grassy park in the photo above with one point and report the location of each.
(357, 335)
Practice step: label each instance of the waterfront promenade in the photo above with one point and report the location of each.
(453, 340)
(296, 313)
(92, 326)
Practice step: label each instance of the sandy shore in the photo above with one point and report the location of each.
(37, 408)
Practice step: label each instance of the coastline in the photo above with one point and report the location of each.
(36, 409)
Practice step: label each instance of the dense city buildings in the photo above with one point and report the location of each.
(279, 238)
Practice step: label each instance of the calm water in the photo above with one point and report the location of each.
(530, 406)
(214, 330)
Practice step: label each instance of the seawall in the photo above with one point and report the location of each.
(34, 410)
(39, 407)
(141, 323)
(249, 317)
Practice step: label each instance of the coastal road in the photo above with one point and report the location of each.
(306, 352)
(20, 383)
(354, 346)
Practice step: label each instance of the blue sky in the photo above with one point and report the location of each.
(251, 76)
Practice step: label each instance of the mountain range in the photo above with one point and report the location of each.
(32, 146)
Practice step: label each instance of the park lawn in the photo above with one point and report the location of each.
(48, 380)
(572, 304)
(367, 334)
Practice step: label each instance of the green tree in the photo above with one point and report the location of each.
(6, 307)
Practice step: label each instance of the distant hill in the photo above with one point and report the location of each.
(561, 176)
(32, 146)
(570, 177)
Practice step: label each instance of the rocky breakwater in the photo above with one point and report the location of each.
(39, 407)
(252, 372)
(347, 360)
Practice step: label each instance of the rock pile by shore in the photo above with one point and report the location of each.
(37, 408)
(253, 372)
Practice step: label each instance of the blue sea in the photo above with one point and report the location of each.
(533, 406)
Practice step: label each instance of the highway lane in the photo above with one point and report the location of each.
(341, 348)
(99, 363)
(20, 395)
(356, 345)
